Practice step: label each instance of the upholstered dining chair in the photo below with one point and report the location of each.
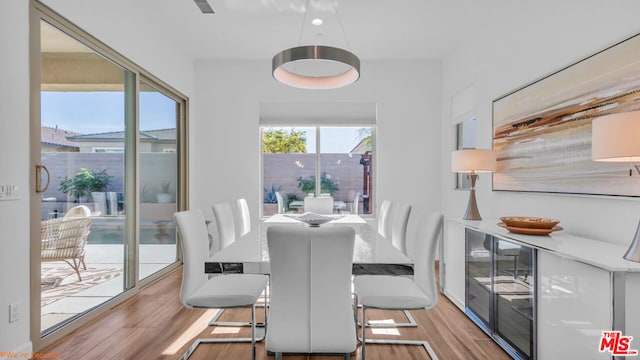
(319, 205)
(282, 207)
(220, 292)
(226, 225)
(384, 215)
(243, 217)
(223, 214)
(393, 220)
(401, 293)
(311, 308)
(354, 200)
(399, 224)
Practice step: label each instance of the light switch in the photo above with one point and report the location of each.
(9, 192)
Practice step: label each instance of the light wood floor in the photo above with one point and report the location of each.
(155, 325)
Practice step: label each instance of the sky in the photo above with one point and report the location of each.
(100, 112)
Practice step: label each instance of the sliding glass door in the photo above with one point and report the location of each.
(158, 159)
(110, 174)
(83, 130)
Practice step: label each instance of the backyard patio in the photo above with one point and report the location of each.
(64, 296)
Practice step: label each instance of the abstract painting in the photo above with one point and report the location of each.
(542, 132)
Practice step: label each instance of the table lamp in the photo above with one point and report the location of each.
(614, 138)
(473, 161)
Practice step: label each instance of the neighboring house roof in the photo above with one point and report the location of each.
(54, 136)
(160, 135)
(363, 146)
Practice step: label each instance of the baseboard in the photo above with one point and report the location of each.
(454, 300)
(23, 352)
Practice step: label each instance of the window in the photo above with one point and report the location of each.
(113, 150)
(466, 139)
(340, 156)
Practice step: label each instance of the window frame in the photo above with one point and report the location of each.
(318, 168)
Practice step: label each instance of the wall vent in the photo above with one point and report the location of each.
(204, 6)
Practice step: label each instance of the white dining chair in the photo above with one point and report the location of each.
(318, 205)
(281, 203)
(225, 224)
(243, 217)
(354, 201)
(311, 308)
(399, 223)
(393, 220)
(401, 293)
(220, 292)
(384, 228)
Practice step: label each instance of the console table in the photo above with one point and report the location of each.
(581, 287)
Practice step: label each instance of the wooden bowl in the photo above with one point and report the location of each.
(529, 222)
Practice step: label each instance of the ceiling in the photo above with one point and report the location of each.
(373, 29)
(258, 29)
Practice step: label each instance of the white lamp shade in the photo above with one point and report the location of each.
(476, 160)
(616, 137)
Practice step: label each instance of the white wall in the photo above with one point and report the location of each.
(135, 33)
(156, 57)
(14, 169)
(225, 142)
(526, 43)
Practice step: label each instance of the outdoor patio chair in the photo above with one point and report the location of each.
(78, 211)
(64, 239)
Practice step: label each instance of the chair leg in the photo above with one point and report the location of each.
(364, 341)
(253, 339)
(214, 320)
(75, 266)
(364, 326)
(253, 331)
(278, 356)
(379, 324)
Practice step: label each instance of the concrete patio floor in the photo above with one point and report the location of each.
(109, 256)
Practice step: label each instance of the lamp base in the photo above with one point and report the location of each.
(472, 212)
(633, 254)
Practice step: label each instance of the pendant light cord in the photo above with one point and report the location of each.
(304, 20)
(344, 34)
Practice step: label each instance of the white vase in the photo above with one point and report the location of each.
(112, 201)
(99, 203)
(165, 197)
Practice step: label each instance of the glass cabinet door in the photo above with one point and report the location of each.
(513, 295)
(478, 277)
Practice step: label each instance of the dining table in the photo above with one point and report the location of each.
(372, 255)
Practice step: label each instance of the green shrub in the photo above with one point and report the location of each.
(84, 182)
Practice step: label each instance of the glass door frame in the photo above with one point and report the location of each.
(39, 12)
